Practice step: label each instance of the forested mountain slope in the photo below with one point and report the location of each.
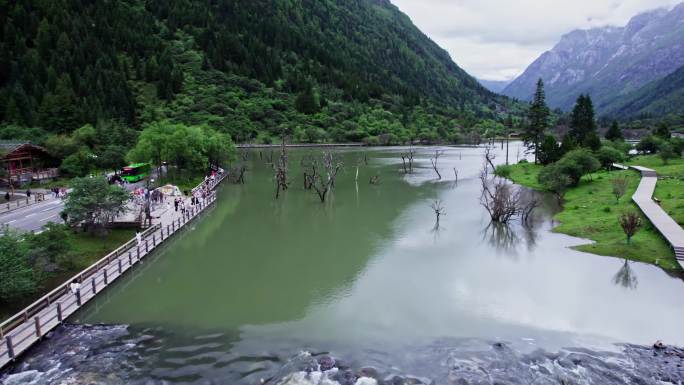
(318, 69)
(658, 98)
(607, 62)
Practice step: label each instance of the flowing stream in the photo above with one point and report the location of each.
(294, 291)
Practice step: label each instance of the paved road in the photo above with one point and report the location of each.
(33, 217)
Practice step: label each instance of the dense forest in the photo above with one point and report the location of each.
(315, 70)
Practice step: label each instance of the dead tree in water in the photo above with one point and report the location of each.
(308, 163)
(323, 181)
(281, 170)
(499, 198)
(439, 211)
(489, 157)
(237, 174)
(433, 160)
(407, 160)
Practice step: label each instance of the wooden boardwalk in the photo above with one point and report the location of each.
(643, 197)
(27, 327)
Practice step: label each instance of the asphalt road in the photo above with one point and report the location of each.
(33, 217)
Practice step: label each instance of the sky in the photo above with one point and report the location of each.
(498, 39)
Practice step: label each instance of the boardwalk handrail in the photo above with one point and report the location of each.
(45, 300)
(28, 326)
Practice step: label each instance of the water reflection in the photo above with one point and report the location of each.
(503, 237)
(626, 277)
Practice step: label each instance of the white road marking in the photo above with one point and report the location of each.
(12, 221)
(30, 215)
(48, 218)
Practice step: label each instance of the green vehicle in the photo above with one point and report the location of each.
(135, 172)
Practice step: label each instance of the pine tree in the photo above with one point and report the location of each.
(614, 132)
(582, 120)
(538, 120)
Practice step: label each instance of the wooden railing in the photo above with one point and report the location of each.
(9, 206)
(26, 327)
(49, 298)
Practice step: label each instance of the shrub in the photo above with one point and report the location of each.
(608, 155)
(503, 171)
(554, 180)
(578, 163)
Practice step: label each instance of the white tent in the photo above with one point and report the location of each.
(170, 190)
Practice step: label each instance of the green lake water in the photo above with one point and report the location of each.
(367, 272)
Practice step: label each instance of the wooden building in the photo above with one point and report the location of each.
(23, 162)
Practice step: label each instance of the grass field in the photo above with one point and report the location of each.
(670, 187)
(591, 211)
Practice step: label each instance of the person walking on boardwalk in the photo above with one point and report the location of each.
(138, 237)
(175, 203)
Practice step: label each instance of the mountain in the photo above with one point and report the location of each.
(607, 62)
(495, 86)
(658, 98)
(320, 69)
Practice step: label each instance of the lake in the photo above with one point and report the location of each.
(364, 277)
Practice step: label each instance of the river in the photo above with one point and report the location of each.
(367, 279)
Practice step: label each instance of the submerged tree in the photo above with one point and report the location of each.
(407, 160)
(324, 180)
(439, 210)
(281, 170)
(499, 198)
(631, 223)
(433, 161)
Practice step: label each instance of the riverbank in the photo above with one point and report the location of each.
(591, 211)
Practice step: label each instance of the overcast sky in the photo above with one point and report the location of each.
(498, 39)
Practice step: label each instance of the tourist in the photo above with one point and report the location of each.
(28, 193)
(176, 203)
(7, 196)
(138, 237)
(74, 286)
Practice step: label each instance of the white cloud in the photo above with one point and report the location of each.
(498, 39)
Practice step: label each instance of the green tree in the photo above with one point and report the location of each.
(577, 163)
(152, 144)
(219, 147)
(582, 120)
(549, 150)
(614, 132)
(306, 102)
(608, 155)
(16, 275)
(50, 249)
(649, 144)
(555, 180)
(662, 131)
(94, 203)
(538, 116)
(667, 152)
(80, 163)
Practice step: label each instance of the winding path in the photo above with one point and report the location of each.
(643, 197)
